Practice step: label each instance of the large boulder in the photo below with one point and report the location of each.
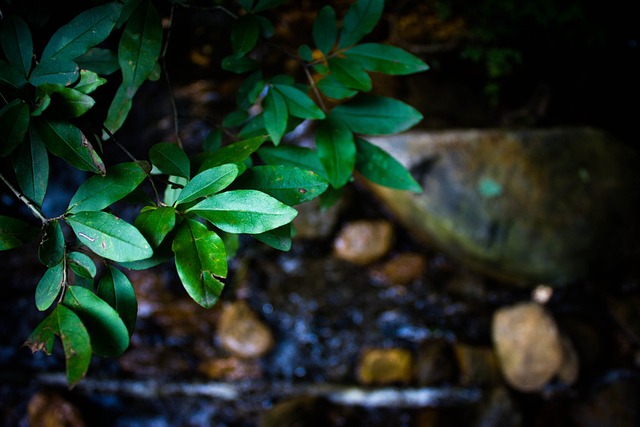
(529, 206)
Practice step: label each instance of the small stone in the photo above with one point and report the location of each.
(153, 362)
(231, 369)
(242, 333)
(298, 411)
(49, 409)
(477, 364)
(314, 221)
(402, 269)
(386, 366)
(570, 368)
(434, 363)
(363, 242)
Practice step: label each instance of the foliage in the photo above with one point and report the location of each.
(247, 186)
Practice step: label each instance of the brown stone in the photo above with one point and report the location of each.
(402, 269)
(386, 366)
(49, 409)
(242, 333)
(434, 363)
(363, 242)
(230, 369)
(477, 365)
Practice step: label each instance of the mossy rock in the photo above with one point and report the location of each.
(530, 206)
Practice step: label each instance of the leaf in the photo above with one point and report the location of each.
(305, 52)
(14, 232)
(378, 166)
(55, 71)
(238, 64)
(83, 32)
(377, 115)
(275, 115)
(336, 150)
(233, 153)
(89, 81)
(386, 59)
(51, 249)
(246, 4)
(325, 29)
(81, 265)
(99, 60)
(302, 157)
(11, 75)
(109, 334)
(116, 290)
(235, 118)
(49, 286)
(67, 142)
(350, 74)
(244, 211)
(109, 236)
(208, 182)
(278, 238)
(118, 110)
(361, 18)
(75, 341)
(299, 103)
(170, 159)
(331, 87)
(213, 141)
(17, 43)
(31, 165)
(174, 188)
(155, 223)
(289, 184)
(267, 4)
(244, 34)
(74, 103)
(14, 123)
(200, 259)
(99, 192)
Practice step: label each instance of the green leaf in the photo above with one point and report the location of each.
(200, 259)
(267, 4)
(14, 123)
(51, 249)
(235, 118)
(17, 43)
(109, 236)
(82, 265)
(246, 4)
(289, 184)
(109, 334)
(377, 115)
(99, 192)
(332, 88)
(250, 90)
(350, 74)
(386, 59)
(11, 75)
(325, 29)
(89, 81)
(278, 238)
(238, 64)
(67, 142)
(336, 150)
(244, 211)
(213, 141)
(118, 110)
(83, 32)
(303, 157)
(74, 103)
(117, 291)
(31, 164)
(378, 166)
(155, 223)
(75, 341)
(299, 103)
(49, 286)
(99, 60)
(305, 52)
(174, 188)
(361, 18)
(275, 115)
(14, 232)
(244, 34)
(233, 153)
(208, 182)
(170, 159)
(55, 71)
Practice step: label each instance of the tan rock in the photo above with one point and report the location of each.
(242, 333)
(363, 242)
(477, 364)
(401, 269)
(231, 369)
(49, 409)
(386, 366)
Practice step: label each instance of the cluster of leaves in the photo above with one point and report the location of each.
(209, 198)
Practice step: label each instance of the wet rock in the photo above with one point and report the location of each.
(402, 269)
(153, 362)
(386, 366)
(499, 410)
(50, 409)
(230, 369)
(314, 221)
(613, 404)
(298, 412)
(477, 365)
(434, 363)
(363, 242)
(530, 347)
(533, 206)
(242, 333)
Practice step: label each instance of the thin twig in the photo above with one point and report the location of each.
(315, 89)
(34, 209)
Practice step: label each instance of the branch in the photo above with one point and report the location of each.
(33, 208)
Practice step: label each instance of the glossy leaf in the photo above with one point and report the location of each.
(238, 64)
(118, 110)
(14, 123)
(82, 265)
(267, 4)
(386, 59)
(75, 341)
(275, 115)
(89, 81)
(74, 103)
(299, 103)
(67, 142)
(17, 43)
(200, 260)
(155, 223)
(350, 74)
(331, 87)
(99, 60)
(170, 159)
(14, 232)
(380, 167)
(361, 18)
(51, 249)
(213, 141)
(305, 52)
(49, 286)
(173, 189)
(246, 4)
(83, 32)
(302, 157)
(244, 211)
(109, 334)
(377, 115)
(11, 75)
(289, 184)
(208, 182)
(233, 153)
(244, 34)
(278, 238)
(55, 71)
(336, 150)
(117, 291)
(325, 29)
(31, 165)
(99, 192)
(109, 236)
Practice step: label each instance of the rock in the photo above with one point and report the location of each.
(477, 365)
(534, 206)
(499, 410)
(242, 333)
(314, 221)
(49, 409)
(363, 242)
(530, 348)
(402, 269)
(154, 362)
(298, 412)
(386, 366)
(230, 369)
(434, 363)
